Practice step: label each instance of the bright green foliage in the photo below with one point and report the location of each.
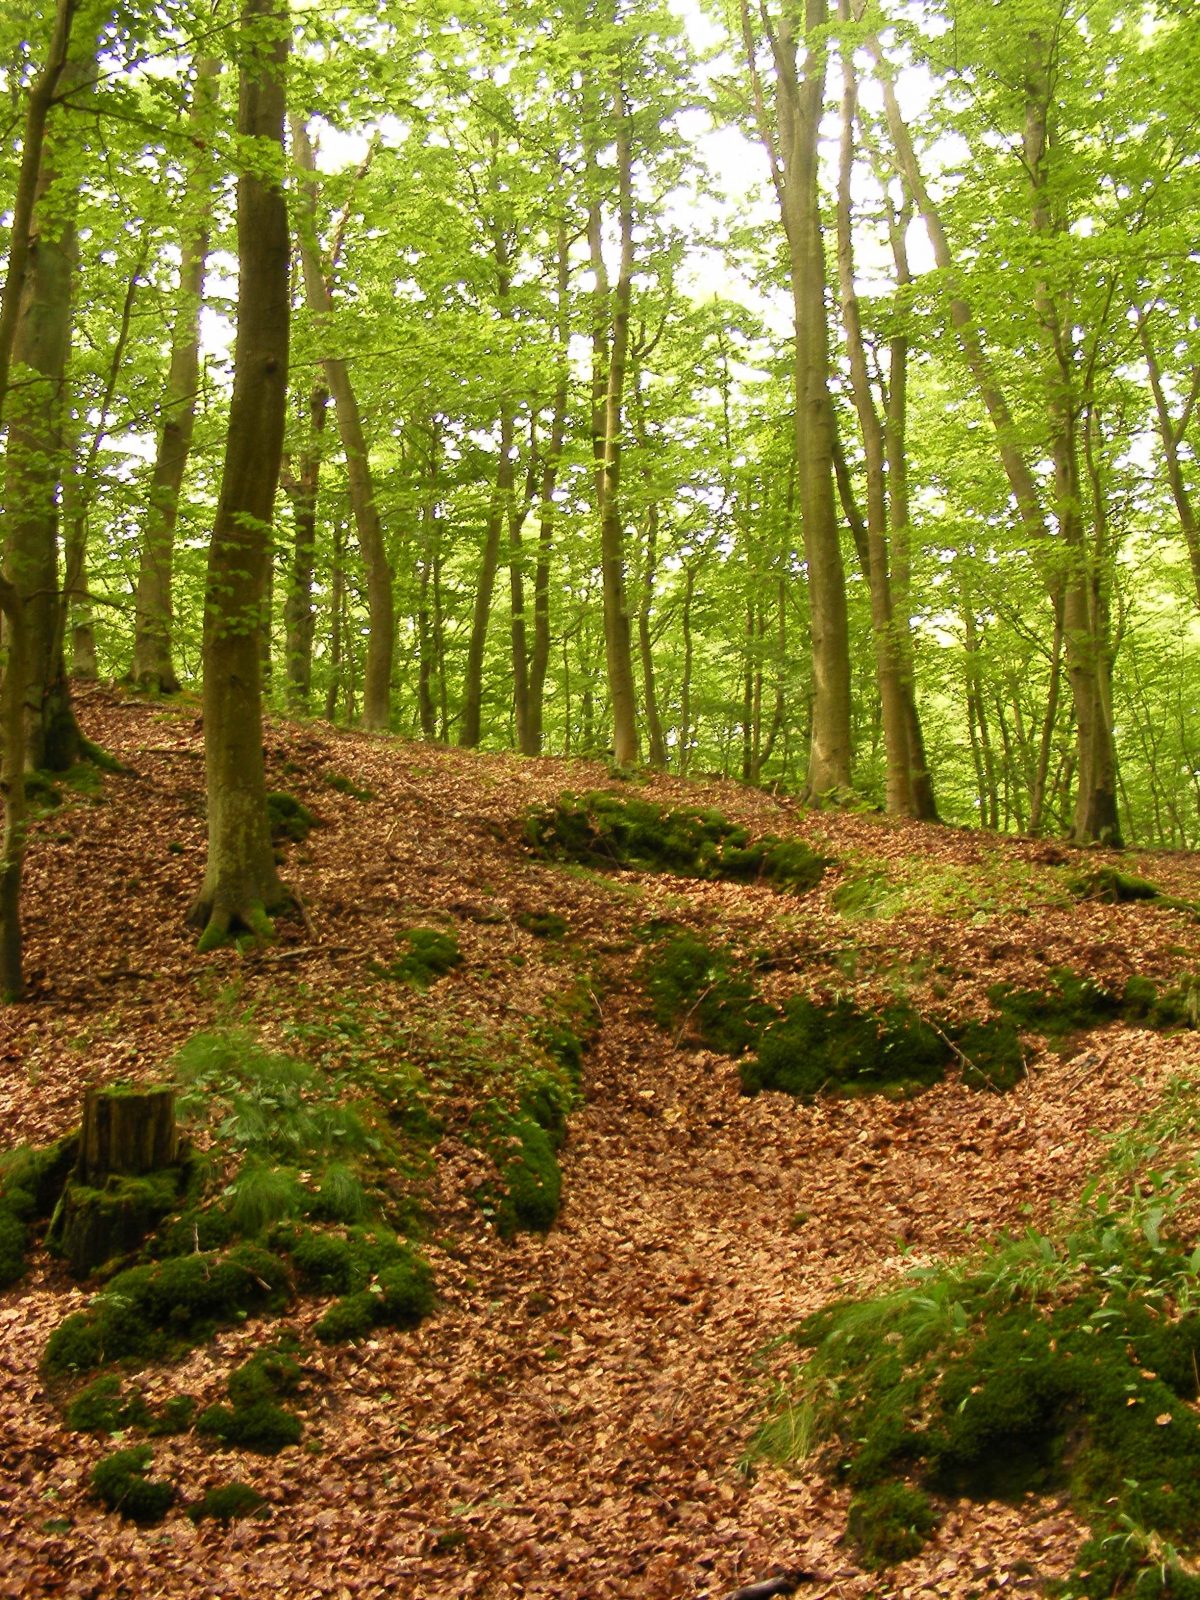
(528, 1187)
(340, 1197)
(227, 1503)
(602, 830)
(289, 819)
(839, 1048)
(890, 1523)
(147, 1311)
(867, 896)
(263, 1194)
(121, 1482)
(697, 988)
(426, 955)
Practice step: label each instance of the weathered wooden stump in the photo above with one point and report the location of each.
(126, 1177)
(126, 1131)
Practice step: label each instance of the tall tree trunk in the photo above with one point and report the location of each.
(485, 583)
(153, 665)
(654, 728)
(381, 635)
(241, 884)
(1095, 815)
(299, 615)
(337, 604)
(12, 690)
(792, 140)
(35, 454)
(610, 354)
(1172, 433)
(894, 707)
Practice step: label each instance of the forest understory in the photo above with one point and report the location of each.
(577, 1416)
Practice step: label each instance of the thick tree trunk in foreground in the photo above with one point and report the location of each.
(241, 884)
(153, 667)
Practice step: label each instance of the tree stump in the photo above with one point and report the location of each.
(126, 1177)
(126, 1132)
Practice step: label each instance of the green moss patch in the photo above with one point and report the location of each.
(610, 831)
(122, 1483)
(698, 989)
(426, 954)
(341, 784)
(542, 924)
(255, 1420)
(150, 1311)
(227, 1503)
(868, 896)
(31, 1182)
(381, 1280)
(840, 1049)
(1061, 1362)
(290, 820)
(94, 1226)
(1115, 888)
(527, 1190)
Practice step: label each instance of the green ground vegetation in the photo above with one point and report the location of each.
(1063, 1360)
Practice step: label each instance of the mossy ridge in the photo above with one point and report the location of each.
(1073, 1003)
(1066, 1360)
(290, 819)
(150, 1312)
(1112, 887)
(699, 988)
(527, 1191)
(840, 1049)
(607, 831)
(341, 784)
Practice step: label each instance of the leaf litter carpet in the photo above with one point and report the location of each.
(573, 1422)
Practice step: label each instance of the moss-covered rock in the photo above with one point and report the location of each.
(699, 989)
(838, 1048)
(227, 1503)
(148, 1310)
(121, 1482)
(426, 954)
(607, 831)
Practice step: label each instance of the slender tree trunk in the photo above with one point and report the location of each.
(685, 684)
(610, 355)
(153, 665)
(241, 884)
(792, 140)
(381, 635)
(1172, 435)
(337, 606)
(539, 660)
(299, 615)
(485, 584)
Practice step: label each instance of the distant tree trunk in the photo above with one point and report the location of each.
(381, 634)
(241, 884)
(654, 729)
(153, 666)
(685, 683)
(471, 728)
(792, 139)
(539, 660)
(299, 616)
(610, 351)
(337, 602)
(1172, 434)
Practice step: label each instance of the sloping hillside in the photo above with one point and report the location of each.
(573, 1419)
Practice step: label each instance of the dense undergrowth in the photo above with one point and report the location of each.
(1064, 1360)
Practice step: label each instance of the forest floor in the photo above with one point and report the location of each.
(574, 1419)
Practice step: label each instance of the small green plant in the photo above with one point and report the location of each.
(121, 1482)
(227, 1503)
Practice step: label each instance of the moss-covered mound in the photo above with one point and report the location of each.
(255, 1420)
(1116, 888)
(107, 1406)
(290, 819)
(150, 1311)
(698, 989)
(122, 1483)
(1055, 1362)
(31, 1182)
(606, 831)
(426, 954)
(527, 1190)
(227, 1503)
(812, 1049)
